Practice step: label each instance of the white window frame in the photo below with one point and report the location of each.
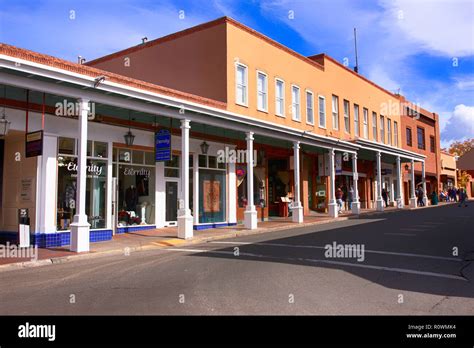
(323, 98)
(395, 133)
(374, 126)
(389, 131)
(282, 97)
(335, 125)
(298, 118)
(365, 115)
(382, 129)
(265, 92)
(356, 120)
(309, 92)
(246, 77)
(347, 116)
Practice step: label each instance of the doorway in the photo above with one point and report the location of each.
(171, 209)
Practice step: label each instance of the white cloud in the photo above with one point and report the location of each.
(460, 125)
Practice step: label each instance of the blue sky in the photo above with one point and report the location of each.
(424, 48)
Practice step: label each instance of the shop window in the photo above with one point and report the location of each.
(125, 156)
(212, 196)
(100, 149)
(149, 158)
(66, 146)
(138, 157)
(172, 167)
(203, 161)
(212, 162)
(89, 147)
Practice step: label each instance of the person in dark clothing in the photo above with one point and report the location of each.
(385, 197)
(421, 203)
(131, 198)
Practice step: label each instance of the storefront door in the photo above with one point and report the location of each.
(172, 189)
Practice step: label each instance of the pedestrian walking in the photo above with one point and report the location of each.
(462, 197)
(350, 197)
(420, 202)
(385, 197)
(339, 195)
(434, 198)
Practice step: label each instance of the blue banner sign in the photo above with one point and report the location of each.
(162, 145)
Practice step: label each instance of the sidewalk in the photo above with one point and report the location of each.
(167, 237)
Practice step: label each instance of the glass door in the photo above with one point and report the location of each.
(172, 190)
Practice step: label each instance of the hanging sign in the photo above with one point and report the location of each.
(34, 144)
(338, 159)
(162, 145)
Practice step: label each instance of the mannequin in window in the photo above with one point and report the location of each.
(131, 198)
(69, 199)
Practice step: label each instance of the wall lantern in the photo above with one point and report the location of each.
(204, 148)
(406, 167)
(129, 137)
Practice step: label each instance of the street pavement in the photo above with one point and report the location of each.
(414, 262)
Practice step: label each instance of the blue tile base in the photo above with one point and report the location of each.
(135, 228)
(213, 225)
(57, 239)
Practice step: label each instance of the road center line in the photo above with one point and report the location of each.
(337, 263)
(366, 250)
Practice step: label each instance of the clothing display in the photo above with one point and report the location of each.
(69, 198)
(131, 198)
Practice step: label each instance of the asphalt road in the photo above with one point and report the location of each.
(408, 268)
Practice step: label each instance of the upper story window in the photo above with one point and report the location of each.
(382, 129)
(322, 111)
(366, 123)
(279, 97)
(295, 103)
(347, 124)
(262, 91)
(356, 120)
(420, 133)
(389, 131)
(241, 80)
(374, 125)
(395, 133)
(335, 112)
(309, 107)
(432, 143)
(409, 137)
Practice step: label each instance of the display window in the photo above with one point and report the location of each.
(212, 190)
(135, 173)
(96, 183)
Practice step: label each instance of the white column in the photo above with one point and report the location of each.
(379, 202)
(80, 227)
(413, 196)
(399, 184)
(160, 195)
(297, 208)
(355, 178)
(109, 188)
(250, 214)
(423, 179)
(196, 188)
(332, 206)
(232, 205)
(185, 219)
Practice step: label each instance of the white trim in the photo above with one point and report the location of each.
(356, 126)
(246, 77)
(219, 116)
(265, 109)
(348, 115)
(293, 103)
(277, 79)
(308, 91)
(337, 112)
(319, 112)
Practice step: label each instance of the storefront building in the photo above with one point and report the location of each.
(253, 140)
(448, 174)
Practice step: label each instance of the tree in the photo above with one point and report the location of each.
(461, 147)
(463, 178)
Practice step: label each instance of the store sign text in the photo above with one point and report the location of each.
(132, 171)
(93, 168)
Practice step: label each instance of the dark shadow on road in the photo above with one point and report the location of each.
(434, 232)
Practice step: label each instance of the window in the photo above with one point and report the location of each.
(432, 143)
(262, 91)
(322, 112)
(347, 125)
(389, 131)
(395, 133)
(374, 125)
(280, 97)
(295, 103)
(335, 112)
(420, 133)
(366, 123)
(309, 107)
(356, 120)
(409, 138)
(382, 129)
(241, 84)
